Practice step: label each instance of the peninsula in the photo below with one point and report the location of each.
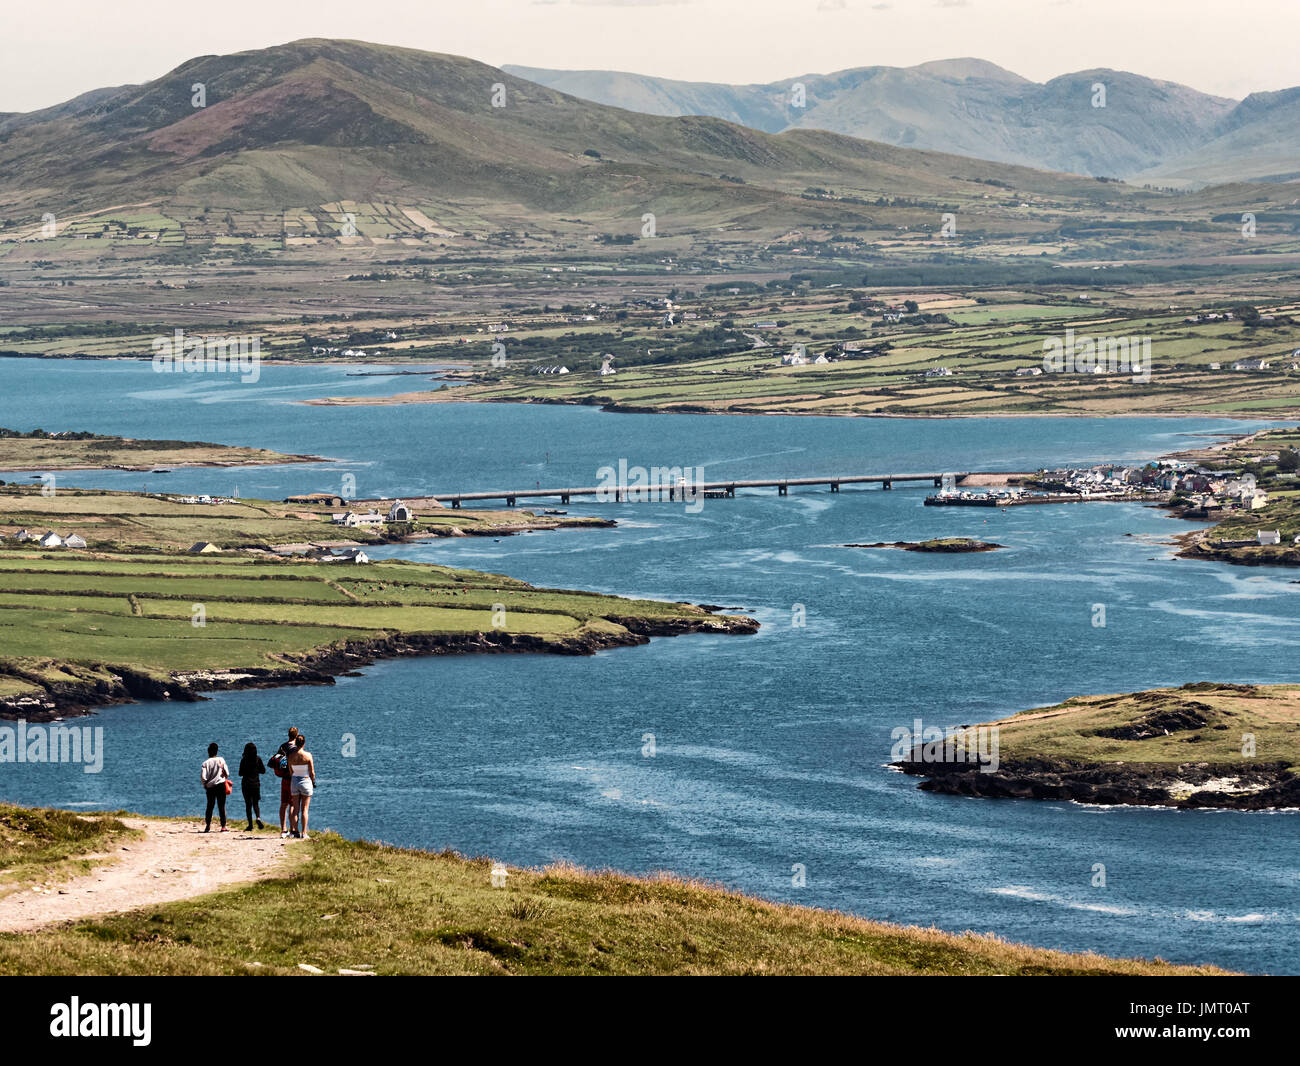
(1201, 745)
(38, 450)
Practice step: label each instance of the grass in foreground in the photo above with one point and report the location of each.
(39, 844)
(367, 907)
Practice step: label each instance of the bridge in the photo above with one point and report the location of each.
(671, 490)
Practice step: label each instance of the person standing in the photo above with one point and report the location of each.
(214, 776)
(251, 769)
(303, 768)
(280, 764)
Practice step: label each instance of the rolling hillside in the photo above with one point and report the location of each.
(317, 122)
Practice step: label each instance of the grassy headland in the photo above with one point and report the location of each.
(1201, 745)
(368, 908)
(43, 452)
(83, 630)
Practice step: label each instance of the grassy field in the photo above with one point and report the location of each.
(127, 521)
(983, 347)
(1204, 722)
(366, 907)
(84, 618)
(39, 844)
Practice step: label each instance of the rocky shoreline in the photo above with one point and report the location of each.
(952, 546)
(1186, 786)
(92, 687)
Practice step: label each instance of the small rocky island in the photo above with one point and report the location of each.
(941, 545)
(1202, 745)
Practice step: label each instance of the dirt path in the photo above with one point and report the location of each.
(171, 861)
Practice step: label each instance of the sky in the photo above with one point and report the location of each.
(55, 49)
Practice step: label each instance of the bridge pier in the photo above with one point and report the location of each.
(731, 492)
(886, 484)
(510, 501)
(455, 503)
(783, 489)
(564, 498)
(938, 483)
(835, 486)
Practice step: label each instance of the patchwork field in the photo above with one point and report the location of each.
(78, 630)
(964, 365)
(127, 521)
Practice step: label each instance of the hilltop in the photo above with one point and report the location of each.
(335, 906)
(316, 122)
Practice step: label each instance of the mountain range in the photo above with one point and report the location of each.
(1142, 130)
(320, 121)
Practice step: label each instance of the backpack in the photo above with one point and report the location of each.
(279, 764)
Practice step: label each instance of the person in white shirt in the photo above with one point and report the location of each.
(213, 776)
(302, 783)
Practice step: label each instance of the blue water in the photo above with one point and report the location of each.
(770, 750)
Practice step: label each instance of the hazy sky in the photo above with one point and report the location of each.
(54, 49)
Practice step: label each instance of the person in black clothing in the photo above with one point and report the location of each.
(214, 776)
(251, 769)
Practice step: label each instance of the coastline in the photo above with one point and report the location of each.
(108, 686)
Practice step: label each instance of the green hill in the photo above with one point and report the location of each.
(317, 122)
(369, 908)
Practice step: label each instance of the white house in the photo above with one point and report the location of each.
(75, 541)
(1251, 364)
(400, 512)
(354, 520)
(51, 540)
(939, 372)
(1029, 371)
(24, 535)
(1269, 536)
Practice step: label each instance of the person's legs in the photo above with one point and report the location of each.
(257, 810)
(221, 803)
(286, 805)
(207, 815)
(302, 814)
